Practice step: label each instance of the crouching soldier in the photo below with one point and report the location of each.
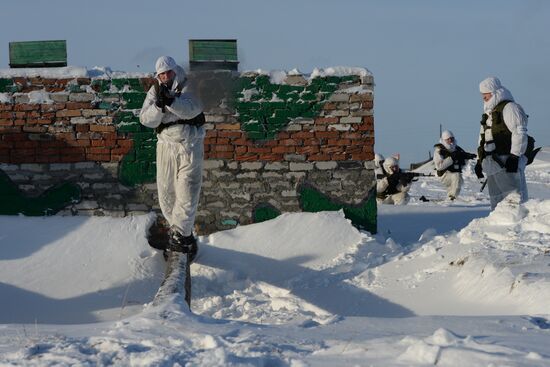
(448, 160)
(394, 186)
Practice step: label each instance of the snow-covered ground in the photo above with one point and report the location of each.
(442, 283)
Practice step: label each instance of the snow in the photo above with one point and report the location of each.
(70, 72)
(442, 283)
(105, 72)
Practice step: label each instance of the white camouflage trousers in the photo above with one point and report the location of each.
(452, 182)
(179, 179)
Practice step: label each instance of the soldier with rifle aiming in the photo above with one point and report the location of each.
(394, 185)
(448, 160)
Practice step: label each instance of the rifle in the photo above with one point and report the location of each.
(483, 184)
(406, 176)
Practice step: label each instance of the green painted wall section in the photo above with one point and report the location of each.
(51, 201)
(269, 110)
(264, 212)
(7, 86)
(138, 166)
(362, 216)
(265, 108)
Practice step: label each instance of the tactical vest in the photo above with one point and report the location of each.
(502, 137)
(198, 120)
(390, 190)
(446, 153)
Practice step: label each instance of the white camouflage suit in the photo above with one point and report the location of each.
(180, 150)
(401, 197)
(499, 182)
(451, 180)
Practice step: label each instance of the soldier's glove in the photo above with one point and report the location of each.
(512, 163)
(164, 98)
(478, 170)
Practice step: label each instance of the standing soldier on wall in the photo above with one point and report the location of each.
(177, 117)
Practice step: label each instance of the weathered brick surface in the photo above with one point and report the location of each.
(256, 151)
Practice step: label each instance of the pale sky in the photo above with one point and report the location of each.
(427, 56)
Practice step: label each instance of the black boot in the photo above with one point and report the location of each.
(183, 244)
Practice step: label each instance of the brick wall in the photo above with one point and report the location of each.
(271, 147)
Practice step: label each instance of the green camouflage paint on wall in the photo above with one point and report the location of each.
(51, 201)
(362, 215)
(312, 200)
(265, 108)
(267, 112)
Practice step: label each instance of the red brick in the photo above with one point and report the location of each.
(326, 134)
(71, 158)
(98, 150)
(79, 143)
(247, 157)
(242, 141)
(103, 143)
(26, 107)
(367, 105)
(98, 157)
(362, 156)
(15, 137)
(125, 143)
(326, 120)
(291, 142)
(344, 142)
(319, 157)
(222, 148)
(48, 159)
(23, 152)
(82, 128)
(229, 134)
(228, 126)
(308, 150)
(221, 155)
(78, 105)
(329, 106)
(119, 151)
(68, 113)
(52, 143)
(6, 122)
(242, 150)
(283, 149)
(261, 150)
(35, 129)
(18, 159)
(271, 157)
(332, 149)
(302, 135)
(338, 157)
(211, 133)
(26, 144)
(102, 128)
